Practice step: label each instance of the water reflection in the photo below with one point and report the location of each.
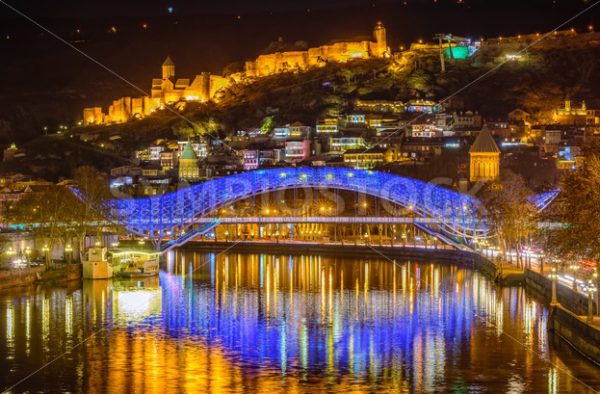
(234, 323)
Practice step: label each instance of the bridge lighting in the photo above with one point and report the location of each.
(179, 208)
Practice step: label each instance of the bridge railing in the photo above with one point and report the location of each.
(174, 243)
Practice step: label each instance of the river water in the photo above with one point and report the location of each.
(263, 323)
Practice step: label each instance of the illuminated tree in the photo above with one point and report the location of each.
(87, 214)
(267, 125)
(577, 208)
(56, 214)
(45, 213)
(511, 215)
(420, 81)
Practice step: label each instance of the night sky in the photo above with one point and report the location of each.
(208, 35)
(152, 8)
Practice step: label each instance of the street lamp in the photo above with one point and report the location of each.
(590, 290)
(595, 279)
(554, 277)
(46, 250)
(573, 268)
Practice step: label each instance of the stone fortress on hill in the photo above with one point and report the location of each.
(204, 87)
(169, 90)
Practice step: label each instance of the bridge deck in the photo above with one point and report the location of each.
(320, 219)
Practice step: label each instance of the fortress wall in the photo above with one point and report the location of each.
(217, 83)
(204, 87)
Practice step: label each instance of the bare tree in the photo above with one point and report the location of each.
(90, 213)
(57, 214)
(47, 213)
(512, 216)
(577, 208)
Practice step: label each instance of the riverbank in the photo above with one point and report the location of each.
(568, 318)
(576, 331)
(23, 277)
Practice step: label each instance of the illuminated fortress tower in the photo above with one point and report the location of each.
(380, 48)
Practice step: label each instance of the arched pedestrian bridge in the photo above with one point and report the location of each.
(175, 213)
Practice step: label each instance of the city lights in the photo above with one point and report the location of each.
(287, 197)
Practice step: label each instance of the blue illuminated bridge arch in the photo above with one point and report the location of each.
(456, 214)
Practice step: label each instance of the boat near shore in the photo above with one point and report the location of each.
(134, 263)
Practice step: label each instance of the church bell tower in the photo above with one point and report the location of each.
(168, 68)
